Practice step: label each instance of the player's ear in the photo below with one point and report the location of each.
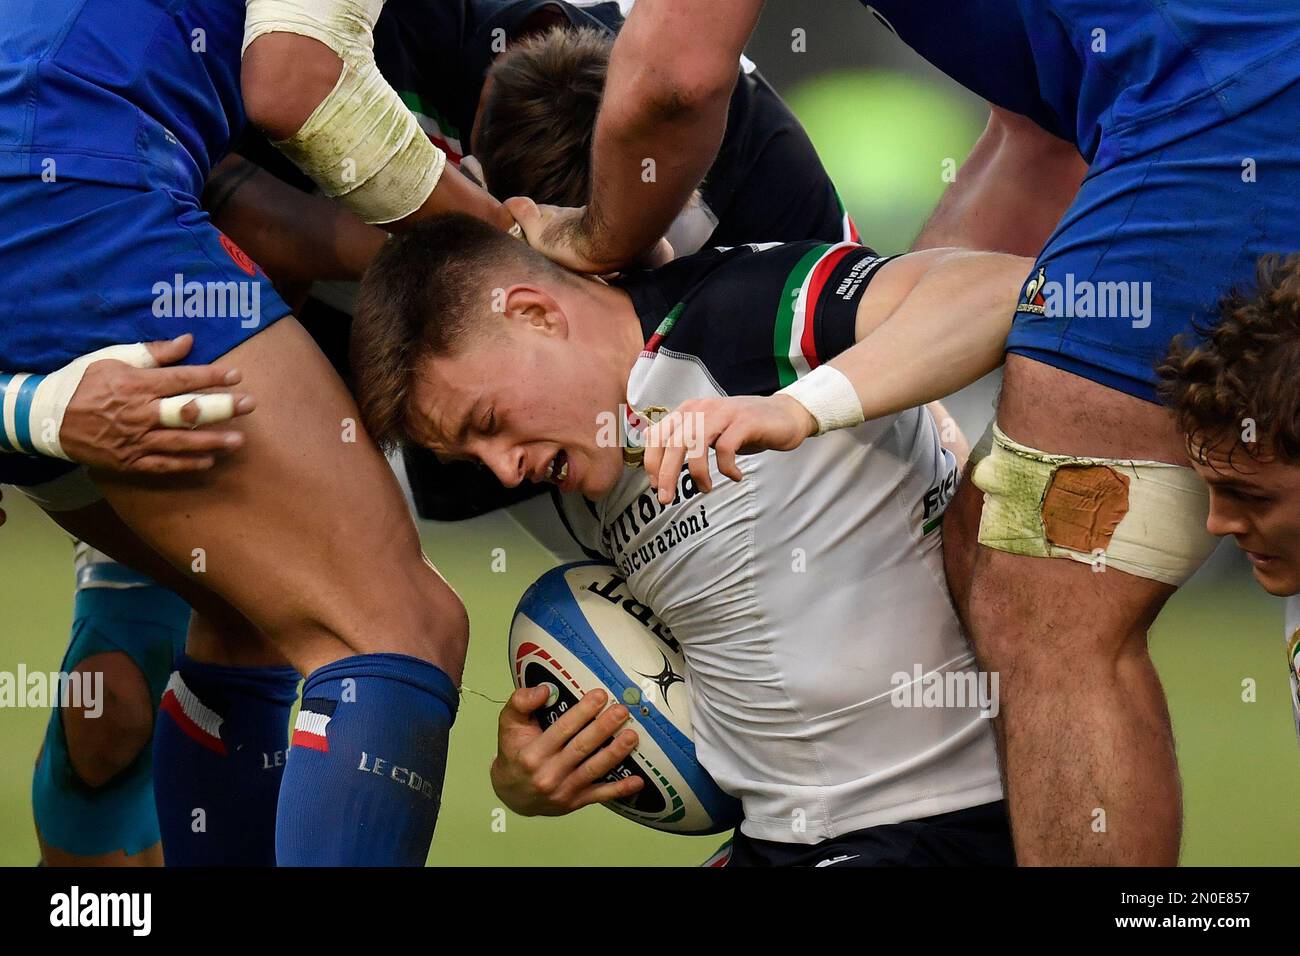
(536, 308)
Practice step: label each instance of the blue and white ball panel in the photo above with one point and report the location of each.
(578, 628)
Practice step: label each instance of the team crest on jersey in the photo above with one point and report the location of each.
(1033, 302)
(238, 255)
(634, 425)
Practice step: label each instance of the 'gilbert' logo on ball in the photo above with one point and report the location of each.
(237, 254)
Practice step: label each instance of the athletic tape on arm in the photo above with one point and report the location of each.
(361, 144)
(1143, 517)
(32, 406)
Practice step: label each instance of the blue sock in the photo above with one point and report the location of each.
(364, 778)
(219, 756)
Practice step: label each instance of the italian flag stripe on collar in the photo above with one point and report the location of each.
(436, 126)
(794, 343)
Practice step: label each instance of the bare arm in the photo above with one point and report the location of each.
(1010, 192)
(285, 77)
(948, 329)
(671, 75)
(930, 323)
(296, 237)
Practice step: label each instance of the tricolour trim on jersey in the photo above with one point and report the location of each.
(652, 344)
(436, 126)
(794, 340)
(195, 719)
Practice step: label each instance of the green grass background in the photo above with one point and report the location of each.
(1241, 766)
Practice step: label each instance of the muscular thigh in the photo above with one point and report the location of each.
(304, 529)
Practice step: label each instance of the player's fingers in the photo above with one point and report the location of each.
(592, 737)
(728, 443)
(698, 463)
(177, 441)
(189, 410)
(573, 720)
(651, 459)
(607, 758)
(186, 378)
(518, 711)
(156, 464)
(669, 467)
(171, 350)
(605, 792)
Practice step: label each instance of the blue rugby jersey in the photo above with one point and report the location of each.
(125, 92)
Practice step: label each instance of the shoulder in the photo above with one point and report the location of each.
(758, 317)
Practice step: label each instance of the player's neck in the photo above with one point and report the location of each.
(619, 320)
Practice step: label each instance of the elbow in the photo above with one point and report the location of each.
(284, 77)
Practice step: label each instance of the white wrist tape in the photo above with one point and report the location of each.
(361, 144)
(32, 406)
(829, 397)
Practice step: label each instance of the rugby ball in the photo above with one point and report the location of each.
(578, 628)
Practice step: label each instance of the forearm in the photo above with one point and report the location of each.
(949, 330)
(455, 192)
(671, 75)
(310, 81)
(1009, 193)
(295, 236)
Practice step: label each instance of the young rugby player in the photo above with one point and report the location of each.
(792, 669)
(1175, 107)
(1235, 398)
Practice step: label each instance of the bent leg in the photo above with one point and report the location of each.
(304, 529)
(1085, 739)
(306, 533)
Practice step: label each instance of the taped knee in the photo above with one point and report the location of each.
(1146, 518)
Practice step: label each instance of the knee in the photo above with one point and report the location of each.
(114, 725)
(443, 638)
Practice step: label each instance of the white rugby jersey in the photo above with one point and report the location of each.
(809, 599)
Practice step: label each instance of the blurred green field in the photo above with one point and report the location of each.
(1240, 762)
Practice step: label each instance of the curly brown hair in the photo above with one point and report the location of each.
(1242, 371)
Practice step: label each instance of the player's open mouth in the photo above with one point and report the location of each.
(1259, 560)
(558, 469)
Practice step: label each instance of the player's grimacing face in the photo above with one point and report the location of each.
(1257, 501)
(525, 407)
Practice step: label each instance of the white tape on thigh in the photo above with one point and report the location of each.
(47, 396)
(1143, 517)
(212, 408)
(361, 144)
